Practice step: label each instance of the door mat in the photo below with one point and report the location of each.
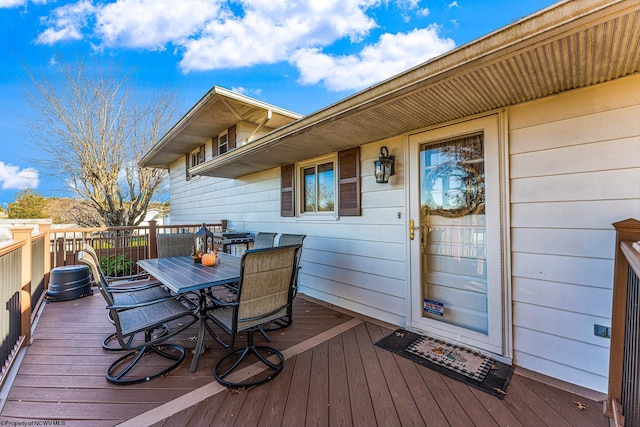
(460, 363)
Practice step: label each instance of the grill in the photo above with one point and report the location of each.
(226, 240)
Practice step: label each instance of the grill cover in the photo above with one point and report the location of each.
(69, 282)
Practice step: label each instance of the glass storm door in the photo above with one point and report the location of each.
(456, 290)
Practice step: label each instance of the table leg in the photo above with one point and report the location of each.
(200, 342)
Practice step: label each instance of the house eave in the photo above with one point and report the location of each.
(213, 113)
(558, 49)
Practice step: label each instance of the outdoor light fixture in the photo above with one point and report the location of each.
(204, 239)
(384, 166)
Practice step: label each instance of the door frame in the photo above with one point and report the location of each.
(505, 226)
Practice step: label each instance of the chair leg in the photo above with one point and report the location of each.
(161, 331)
(282, 322)
(263, 332)
(117, 375)
(238, 356)
(113, 338)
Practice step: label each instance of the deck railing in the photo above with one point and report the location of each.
(24, 264)
(26, 261)
(623, 403)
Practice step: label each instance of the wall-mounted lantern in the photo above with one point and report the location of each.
(384, 166)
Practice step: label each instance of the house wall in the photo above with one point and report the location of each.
(354, 262)
(574, 170)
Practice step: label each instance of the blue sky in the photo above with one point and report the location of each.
(297, 54)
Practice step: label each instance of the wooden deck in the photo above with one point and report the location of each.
(333, 376)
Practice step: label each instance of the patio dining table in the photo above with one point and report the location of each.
(181, 275)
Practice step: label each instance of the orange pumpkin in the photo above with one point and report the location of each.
(209, 259)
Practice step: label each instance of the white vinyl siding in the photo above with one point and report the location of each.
(574, 169)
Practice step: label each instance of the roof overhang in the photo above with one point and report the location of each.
(217, 111)
(566, 46)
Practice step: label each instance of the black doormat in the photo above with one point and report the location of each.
(460, 363)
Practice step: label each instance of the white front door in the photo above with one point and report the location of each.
(456, 241)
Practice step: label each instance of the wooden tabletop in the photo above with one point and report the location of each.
(181, 274)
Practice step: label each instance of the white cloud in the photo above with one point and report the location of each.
(12, 177)
(6, 4)
(11, 3)
(246, 91)
(67, 23)
(392, 54)
(270, 30)
(152, 24)
(453, 4)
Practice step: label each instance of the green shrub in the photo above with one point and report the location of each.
(116, 266)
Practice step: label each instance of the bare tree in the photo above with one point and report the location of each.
(93, 128)
(72, 211)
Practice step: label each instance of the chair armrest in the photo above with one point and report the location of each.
(123, 307)
(220, 302)
(123, 289)
(133, 277)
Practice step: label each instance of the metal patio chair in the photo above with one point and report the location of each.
(130, 282)
(175, 244)
(284, 321)
(142, 319)
(263, 240)
(122, 295)
(260, 241)
(264, 292)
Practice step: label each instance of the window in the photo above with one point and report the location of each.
(318, 192)
(194, 158)
(223, 142)
(329, 185)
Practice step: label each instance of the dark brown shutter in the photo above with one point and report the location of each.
(231, 137)
(287, 190)
(186, 167)
(349, 182)
(201, 155)
(214, 146)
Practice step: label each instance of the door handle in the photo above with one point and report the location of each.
(412, 229)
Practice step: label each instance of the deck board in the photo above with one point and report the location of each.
(296, 403)
(378, 388)
(407, 411)
(446, 400)
(545, 412)
(274, 405)
(563, 403)
(359, 397)
(420, 393)
(472, 407)
(342, 379)
(339, 407)
(317, 411)
(497, 409)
